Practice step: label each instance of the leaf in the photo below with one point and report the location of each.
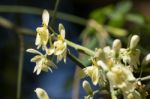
(136, 18)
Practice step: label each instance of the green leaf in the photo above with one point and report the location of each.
(136, 18)
(100, 14)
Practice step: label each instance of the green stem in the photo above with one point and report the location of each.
(38, 11)
(54, 12)
(80, 48)
(9, 25)
(76, 46)
(144, 78)
(77, 61)
(60, 15)
(20, 66)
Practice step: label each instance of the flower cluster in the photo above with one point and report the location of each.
(57, 48)
(114, 66)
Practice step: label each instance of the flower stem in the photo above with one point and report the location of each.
(54, 13)
(76, 46)
(77, 61)
(144, 78)
(80, 48)
(20, 66)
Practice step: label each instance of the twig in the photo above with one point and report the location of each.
(73, 58)
(80, 48)
(54, 13)
(144, 78)
(20, 66)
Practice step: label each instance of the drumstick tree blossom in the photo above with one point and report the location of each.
(43, 32)
(112, 67)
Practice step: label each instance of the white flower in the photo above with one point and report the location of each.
(130, 57)
(50, 51)
(41, 94)
(60, 45)
(42, 32)
(95, 73)
(42, 62)
(120, 76)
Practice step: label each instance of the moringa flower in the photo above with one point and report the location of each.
(95, 73)
(120, 76)
(42, 32)
(60, 45)
(130, 57)
(42, 62)
(49, 51)
(41, 94)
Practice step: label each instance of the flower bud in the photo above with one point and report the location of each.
(45, 17)
(87, 87)
(146, 60)
(134, 41)
(41, 94)
(116, 45)
(61, 30)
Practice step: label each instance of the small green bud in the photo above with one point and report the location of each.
(87, 87)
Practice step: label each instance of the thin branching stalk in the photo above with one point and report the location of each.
(77, 61)
(54, 13)
(20, 66)
(80, 48)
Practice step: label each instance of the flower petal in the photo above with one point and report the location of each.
(30, 50)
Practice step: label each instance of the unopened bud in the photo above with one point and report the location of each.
(87, 87)
(146, 60)
(134, 41)
(116, 45)
(45, 17)
(41, 94)
(61, 30)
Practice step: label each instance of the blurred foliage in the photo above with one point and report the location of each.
(115, 21)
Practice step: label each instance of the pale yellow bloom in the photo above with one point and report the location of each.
(50, 51)
(120, 76)
(96, 74)
(130, 57)
(60, 45)
(93, 73)
(42, 32)
(42, 62)
(41, 94)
